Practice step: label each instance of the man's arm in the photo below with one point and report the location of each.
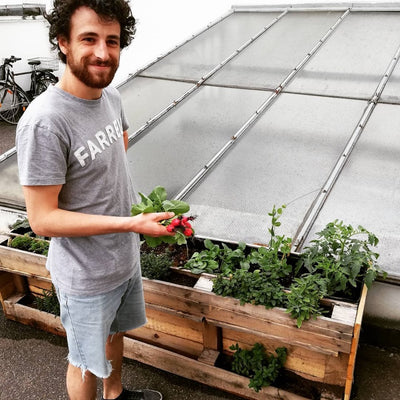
(47, 219)
(126, 140)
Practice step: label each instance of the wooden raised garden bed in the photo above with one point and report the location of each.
(190, 331)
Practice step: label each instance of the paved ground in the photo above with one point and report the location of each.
(7, 136)
(33, 365)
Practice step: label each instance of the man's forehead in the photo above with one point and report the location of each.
(86, 19)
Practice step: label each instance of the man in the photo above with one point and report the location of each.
(71, 145)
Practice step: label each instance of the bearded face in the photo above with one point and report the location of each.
(93, 72)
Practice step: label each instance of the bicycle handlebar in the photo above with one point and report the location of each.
(12, 59)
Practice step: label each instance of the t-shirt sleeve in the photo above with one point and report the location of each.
(42, 156)
(125, 123)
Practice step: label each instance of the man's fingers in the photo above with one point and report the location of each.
(165, 215)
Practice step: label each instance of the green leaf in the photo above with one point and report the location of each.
(176, 206)
(141, 208)
(159, 194)
(152, 241)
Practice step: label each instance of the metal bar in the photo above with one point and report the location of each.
(210, 25)
(196, 179)
(8, 154)
(320, 200)
(139, 131)
(371, 6)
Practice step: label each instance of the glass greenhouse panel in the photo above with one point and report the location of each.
(391, 93)
(285, 158)
(173, 150)
(11, 191)
(202, 54)
(267, 61)
(354, 59)
(367, 192)
(143, 98)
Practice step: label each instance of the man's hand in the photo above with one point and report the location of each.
(149, 224)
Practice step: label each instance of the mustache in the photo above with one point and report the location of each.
(103, 63)
(100, 63)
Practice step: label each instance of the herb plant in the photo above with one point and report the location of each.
(339, 260)
(343, 255)
(262, 369)
(206, 260)
(215, 260)
(31, 244)
(303, 299)
(155, 266)
(250, 287)
(48, 302)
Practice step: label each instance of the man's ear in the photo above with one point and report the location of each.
(63, 44)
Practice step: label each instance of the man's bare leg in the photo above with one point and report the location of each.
(79, 388)
(112, 386)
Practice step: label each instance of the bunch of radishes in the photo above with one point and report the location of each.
(181, 224)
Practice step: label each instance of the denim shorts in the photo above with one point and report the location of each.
(88, 321)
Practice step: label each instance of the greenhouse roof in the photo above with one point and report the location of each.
(294, 105)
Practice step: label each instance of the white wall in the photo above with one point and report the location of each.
(25, 39)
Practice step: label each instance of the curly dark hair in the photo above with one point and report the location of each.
(60, 17)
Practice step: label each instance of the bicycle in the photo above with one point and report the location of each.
(13, 99)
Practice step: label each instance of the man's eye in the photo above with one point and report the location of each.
(89, 40)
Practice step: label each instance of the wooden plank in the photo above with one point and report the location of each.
(204, 283)
(198, 301)
(210, 375)
(30, 316)
(172, 311)
(257, 317)
(163, 340)
(174, 325)
(277, 338)
(23, 262)
(8, 286)
(209, 356)
(345, 314)
(354, 345)
(299, 360)
(20, 283)
(212, 336)
(40, 284)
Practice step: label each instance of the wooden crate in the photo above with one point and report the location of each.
(188, 328)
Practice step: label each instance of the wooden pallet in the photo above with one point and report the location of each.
(188, 328)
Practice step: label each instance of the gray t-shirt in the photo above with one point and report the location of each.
(77, 143)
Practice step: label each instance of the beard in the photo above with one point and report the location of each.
(96, 80)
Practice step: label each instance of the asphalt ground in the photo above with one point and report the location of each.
(7, 136)
(33, 365)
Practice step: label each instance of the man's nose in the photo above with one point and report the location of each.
(101, 50)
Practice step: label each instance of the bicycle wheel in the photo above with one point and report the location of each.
(13, 103)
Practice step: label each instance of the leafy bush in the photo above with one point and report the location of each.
(339, 260)
(343, 255)
(304, 296)
(215, 259)
(31, 244)
(251, 287)
(48, 302)
(262, 369)
(155, 266)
